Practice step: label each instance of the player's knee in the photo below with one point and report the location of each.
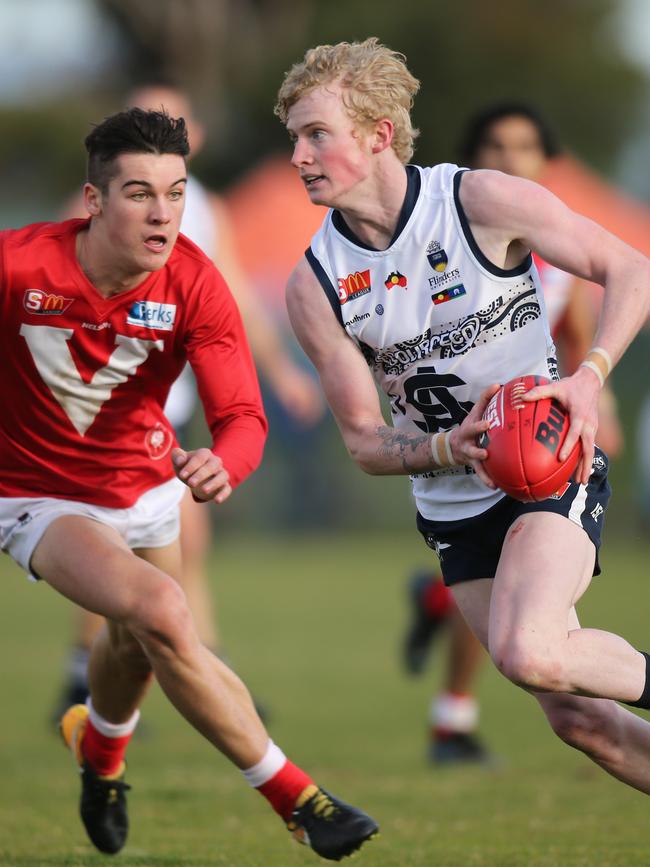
(526, 667)
(591, 726)
(162, 620)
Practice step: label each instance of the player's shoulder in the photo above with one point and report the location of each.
(302, 277)
(489, 187)
(190, 266)
(38, 243)
(188, 254)
(437, 180)
(42, 231)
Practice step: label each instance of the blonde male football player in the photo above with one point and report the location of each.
(368, 307)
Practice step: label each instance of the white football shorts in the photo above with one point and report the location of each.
(153, 521)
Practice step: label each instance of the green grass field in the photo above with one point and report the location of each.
(313, 625)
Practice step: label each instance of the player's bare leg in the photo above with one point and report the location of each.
(466, 656)
(612, 736)
(195, 544)
(90, 564)
(195, 541)
(535, 588)
(153, 627)
(454, 711)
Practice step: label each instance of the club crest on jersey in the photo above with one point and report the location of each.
(152, 314)
(436, 256)
(158, 441)
(354, 286)
(395, 279)
(448, 294)
(45, 303)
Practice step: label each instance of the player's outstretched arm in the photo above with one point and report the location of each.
(378, 448)
(509, 213)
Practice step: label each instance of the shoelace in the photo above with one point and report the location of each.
(111, 788)
(322, 806)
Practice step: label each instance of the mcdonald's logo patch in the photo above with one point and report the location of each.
(45, 303)
(354, 286)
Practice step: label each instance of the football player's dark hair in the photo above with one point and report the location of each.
(134, 131)
(478, 127)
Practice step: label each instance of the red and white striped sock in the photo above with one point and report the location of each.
(104, 744)
(453, 713)
(279, 780)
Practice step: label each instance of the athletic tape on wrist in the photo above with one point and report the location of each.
(441, 450)
(600, 362)
(594, 367)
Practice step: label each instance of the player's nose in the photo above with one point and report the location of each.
(301, 154)
(160, 211)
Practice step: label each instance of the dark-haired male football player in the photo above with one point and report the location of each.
(421, 280)
(98, 317)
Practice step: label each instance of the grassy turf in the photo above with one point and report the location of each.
(313, 624)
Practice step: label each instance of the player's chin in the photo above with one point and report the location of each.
(155, 261)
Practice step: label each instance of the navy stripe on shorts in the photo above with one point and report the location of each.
(470, 548)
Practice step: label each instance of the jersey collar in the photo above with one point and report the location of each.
(413, 183)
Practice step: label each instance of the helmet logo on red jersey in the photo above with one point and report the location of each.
(45, 303)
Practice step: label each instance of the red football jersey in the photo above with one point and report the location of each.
(85, 378)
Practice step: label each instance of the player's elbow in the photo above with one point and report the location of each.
(358, 449)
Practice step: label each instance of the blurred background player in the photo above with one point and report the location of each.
(206, 222)
(512, 138)
(268, 241)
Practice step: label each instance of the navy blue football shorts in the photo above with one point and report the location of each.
(470, 548)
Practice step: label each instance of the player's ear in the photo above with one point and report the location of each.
(92, 199)
(383, 135)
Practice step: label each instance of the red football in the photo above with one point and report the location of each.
(524, 440)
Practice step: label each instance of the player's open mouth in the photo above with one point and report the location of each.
(310, 180)
(156, 242)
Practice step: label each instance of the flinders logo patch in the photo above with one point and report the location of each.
(45, 303)
(152, 314)
(354, 286)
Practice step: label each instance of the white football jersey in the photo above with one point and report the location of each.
(436, 321)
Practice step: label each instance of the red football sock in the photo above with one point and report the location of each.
(283, 789)
(104, 754)
(437, 599)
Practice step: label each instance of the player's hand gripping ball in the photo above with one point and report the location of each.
(524, 440)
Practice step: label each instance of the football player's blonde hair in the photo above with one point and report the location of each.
(375, 84)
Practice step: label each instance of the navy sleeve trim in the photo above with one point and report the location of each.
(326, 283)
(522, 268)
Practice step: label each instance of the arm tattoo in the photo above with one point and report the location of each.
(400, 445)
